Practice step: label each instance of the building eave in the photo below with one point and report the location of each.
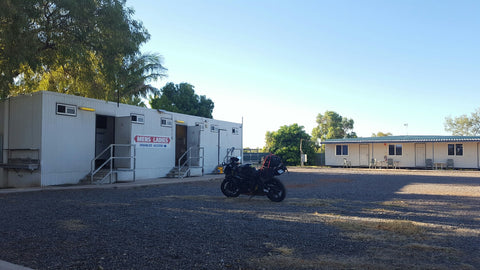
(403, 139)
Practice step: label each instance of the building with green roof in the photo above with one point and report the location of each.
(404, 151)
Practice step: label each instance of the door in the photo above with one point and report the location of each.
(180, 143)
(478, 155)
(221, 145)
(123, 135)
(420, 155)
(193, 143)
(364, 155)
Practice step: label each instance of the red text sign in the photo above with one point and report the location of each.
(152, 139)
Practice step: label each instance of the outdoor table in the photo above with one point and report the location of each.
(396, 164)
(439, 164)
(381, 163)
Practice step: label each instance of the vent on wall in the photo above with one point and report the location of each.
(201, 125)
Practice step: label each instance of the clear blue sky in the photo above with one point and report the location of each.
(274, 63)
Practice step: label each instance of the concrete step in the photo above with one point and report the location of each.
(174, 173)
(97, 177)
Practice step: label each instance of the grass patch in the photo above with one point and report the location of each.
(283, 250)
(319, 262)
(416, 256)
(404, 227)
(313, 202)
(372, 225)
(381, 211)
(396, 203)
(72, 225)
(429, 248)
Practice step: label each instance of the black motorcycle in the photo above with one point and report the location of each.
(245, 179)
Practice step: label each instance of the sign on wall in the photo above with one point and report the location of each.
(152, 141)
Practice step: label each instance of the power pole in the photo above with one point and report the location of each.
(301, 153)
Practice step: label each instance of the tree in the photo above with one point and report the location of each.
(181, 98)
(68, 46)
(286, 143)
(137, 72)
(464, 125)
(381, 134)
(331, 125)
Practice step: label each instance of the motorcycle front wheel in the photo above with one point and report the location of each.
(276, 190)
(229, 188)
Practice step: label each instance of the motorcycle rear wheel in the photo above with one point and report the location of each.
(276, 190)
(229, 188)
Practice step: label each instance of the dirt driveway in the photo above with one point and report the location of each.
(331, 219)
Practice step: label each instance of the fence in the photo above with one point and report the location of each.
(255, 156)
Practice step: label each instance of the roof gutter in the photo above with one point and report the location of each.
(402, 140)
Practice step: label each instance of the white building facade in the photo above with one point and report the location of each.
(50, 138)
(405, 151)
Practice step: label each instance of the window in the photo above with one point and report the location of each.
(235, 131)
(455, 149)
(213, 128)
(137, 118)
(451, 149)
(459, 149)
(65, 109)
(166, 122)
(342, 150)
(394, 149)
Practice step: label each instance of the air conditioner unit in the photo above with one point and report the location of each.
(166, 122)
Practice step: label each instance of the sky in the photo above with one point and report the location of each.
(391, 66)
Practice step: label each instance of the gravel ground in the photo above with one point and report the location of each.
(331, 219)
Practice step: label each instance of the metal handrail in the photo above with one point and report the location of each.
(188, 160)
(110, 160)
(230, 151)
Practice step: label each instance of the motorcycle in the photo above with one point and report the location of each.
(245, 179)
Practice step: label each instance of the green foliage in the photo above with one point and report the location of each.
(331, 125)
(88, 48)
(285, 143)
(381, 134)
(137, 71)
(464, 125)
(181, 98)
(136, 101)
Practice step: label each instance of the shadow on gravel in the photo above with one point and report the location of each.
(415, 221)
(327, 221)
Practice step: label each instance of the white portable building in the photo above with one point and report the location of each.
(49, 138)
(461, 152)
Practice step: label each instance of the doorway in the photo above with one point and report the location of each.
(104, 136)
(420, 155)
(363, 155)
(180, 143)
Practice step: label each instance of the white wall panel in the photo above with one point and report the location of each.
(67, 143)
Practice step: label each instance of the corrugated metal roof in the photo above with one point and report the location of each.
(404, 139)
